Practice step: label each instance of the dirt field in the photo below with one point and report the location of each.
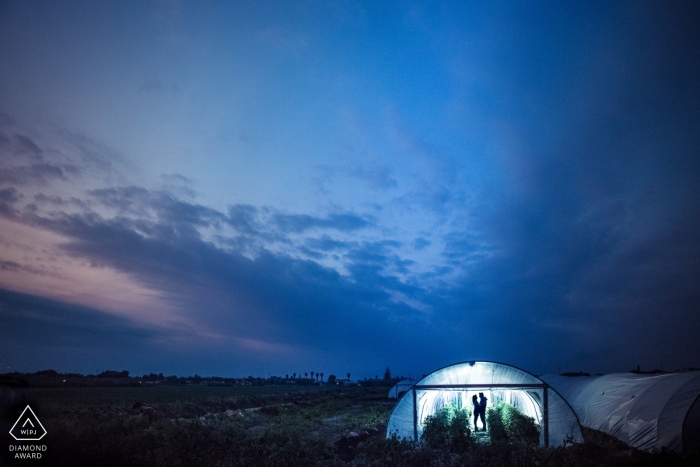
(268, 426)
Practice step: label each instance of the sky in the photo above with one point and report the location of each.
(253, 188)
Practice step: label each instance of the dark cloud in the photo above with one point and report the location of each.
(10, 266)
(326, 243)
(13, 266)
(40, 174)
(170, 210)
(461, 247)
(243, 218)
(48, 316)
(592, 243)
(255, 225)
(28, 147)
(38, 333)
(297, 223)
(18, 147)
(54, 200)
(91, 156)
(311, 253)
(71, 169)
(378, 253)
(420, 243)
(9, 195)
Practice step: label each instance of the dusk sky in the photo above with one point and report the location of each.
(252, 188)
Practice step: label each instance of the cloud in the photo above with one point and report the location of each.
(326, 244)
(420, 243)
(271, 298)
(556, 265)
(177, 178)
(244, 219)
(276, 300)
(263, 227)
(297, 223)
(10, 266)
(40, 174)
(18, 146)
(39, 333)
(169, 210)
(462, 247)
(28, 147)
(178, 186)
(377, 177)
(94, 159)
(9, 195)
(72, 325)
(44, 199)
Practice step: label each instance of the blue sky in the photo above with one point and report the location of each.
(232, 188)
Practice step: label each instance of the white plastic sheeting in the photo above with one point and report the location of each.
(645, 411)
(469, 378)
(401, 387)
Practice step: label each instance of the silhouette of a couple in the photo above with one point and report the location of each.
(480, 410)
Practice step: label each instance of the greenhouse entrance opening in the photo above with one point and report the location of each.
(531, 399)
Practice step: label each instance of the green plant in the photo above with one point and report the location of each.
(497, 430)
(519, 426)
(508, 423)
(448, 428)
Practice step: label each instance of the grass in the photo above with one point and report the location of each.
(66, 398)
(273, 426)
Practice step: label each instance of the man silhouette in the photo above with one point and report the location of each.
(482, 409)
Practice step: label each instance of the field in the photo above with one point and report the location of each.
(269, 426)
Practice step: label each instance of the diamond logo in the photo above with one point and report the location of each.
(28, 427)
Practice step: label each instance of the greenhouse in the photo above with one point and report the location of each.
(648, 412)
(398, 389)
(456, 384)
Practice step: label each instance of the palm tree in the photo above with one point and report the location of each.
(294, 376)
(312, 375)
(348, 376)
(321, 377)
(306, 375)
